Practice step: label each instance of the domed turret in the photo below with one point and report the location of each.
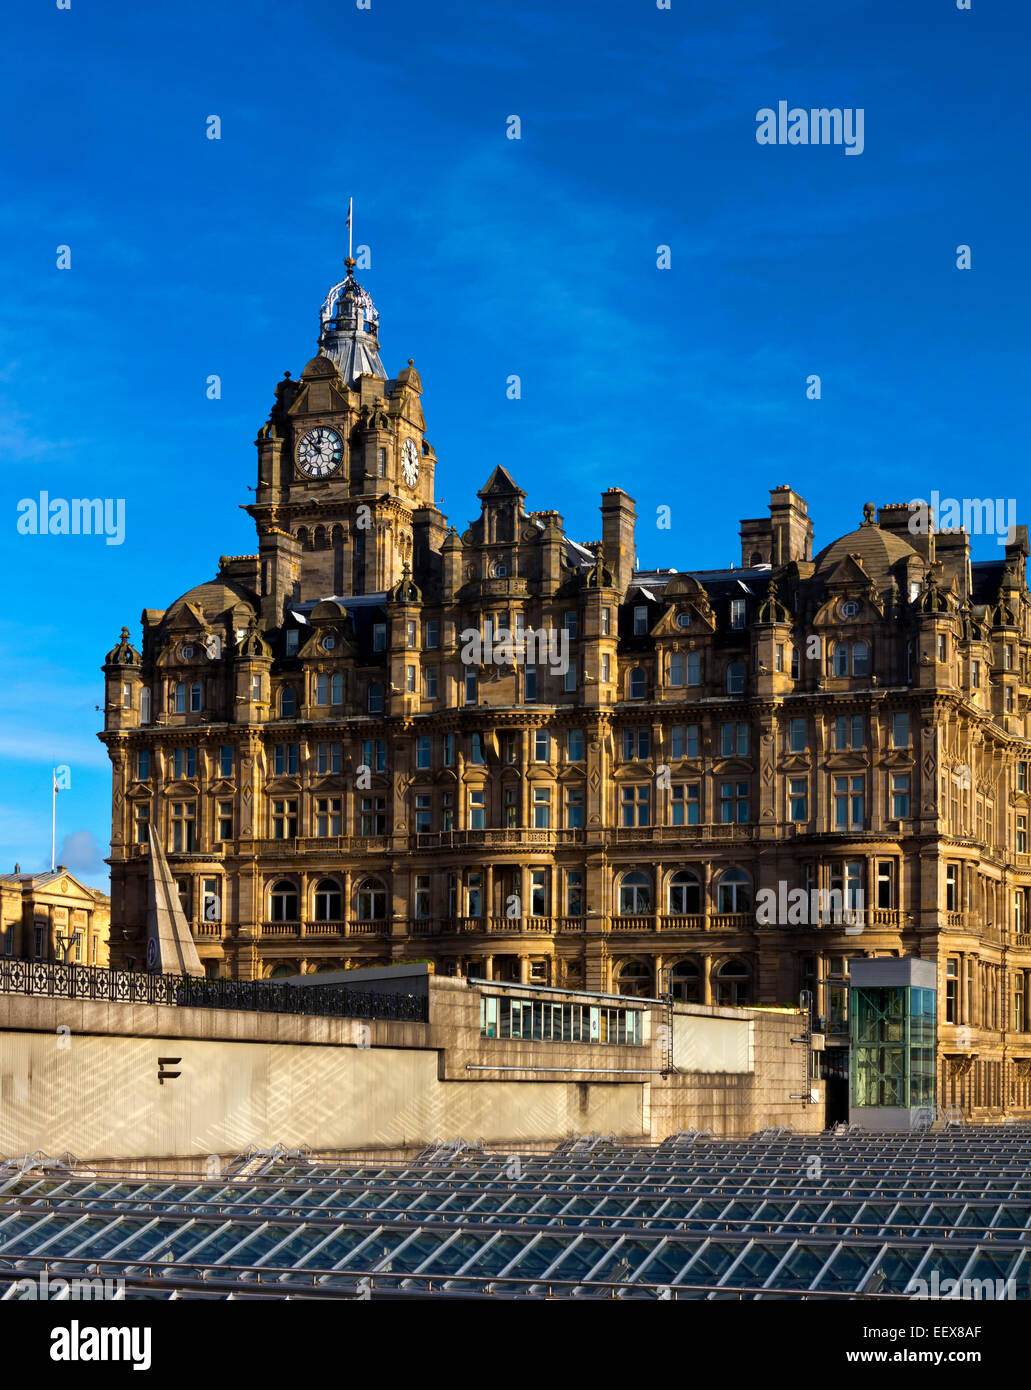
(349, 330)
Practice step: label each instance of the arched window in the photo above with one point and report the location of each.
(281, 972)
(637, 684)
(328, 901)
(733, 983)
(685, 894)
(372, 900)
(196, 697)
(322, 689)
(736, 678)
(283, 902)
(180, 697)
(375, 698)
(635, 894)
(635, 979)
(287, 702)
(734, 893)
(336, 688)
(841, 659)
(145, 705)
(685, 982)
(860, 659)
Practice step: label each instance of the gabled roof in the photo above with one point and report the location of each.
(47, 878)
(500, 484)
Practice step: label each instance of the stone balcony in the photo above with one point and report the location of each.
(509, 838)
(332, 930)
(680, 834)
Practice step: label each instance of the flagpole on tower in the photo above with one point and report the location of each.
(350, 236)
(53, 819)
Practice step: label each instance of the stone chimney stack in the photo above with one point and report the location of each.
(791, 528)
(617, 533)
(279, 556)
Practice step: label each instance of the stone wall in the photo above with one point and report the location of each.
(96, 1079)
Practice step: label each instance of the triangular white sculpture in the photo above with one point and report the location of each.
(170, 945)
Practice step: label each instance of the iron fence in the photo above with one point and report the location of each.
(184, 991)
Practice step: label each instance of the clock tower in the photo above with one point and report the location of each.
(345, 473)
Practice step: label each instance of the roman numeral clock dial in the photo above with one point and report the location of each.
(410, 462)
(319, 452)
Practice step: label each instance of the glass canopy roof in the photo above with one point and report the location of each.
(776, 1216)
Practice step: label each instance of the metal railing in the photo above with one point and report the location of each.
(54, 980)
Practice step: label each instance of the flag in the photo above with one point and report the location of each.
(350, 209)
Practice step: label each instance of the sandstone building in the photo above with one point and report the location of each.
(50, 916)
(600, 790)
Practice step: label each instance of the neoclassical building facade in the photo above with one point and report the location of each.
(512, 753)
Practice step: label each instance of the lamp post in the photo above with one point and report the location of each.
(666, 991)
(71, 938)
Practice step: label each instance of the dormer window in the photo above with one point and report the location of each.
(379, 637)
(683, 619)
(850, 609)
(328, 642)
(188, 651)
(737, 612)
(292, 640)
(641, 620)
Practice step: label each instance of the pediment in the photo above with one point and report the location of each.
(187, 618)
(313, 650)
(847, 762)
(732, 767)
(702, 619)
(847, 572)
(795, 762)
(322, 391)
(176, 789)
(283, 785)
(898, 758)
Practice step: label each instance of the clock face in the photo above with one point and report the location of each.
(410, 462)
(319, 452)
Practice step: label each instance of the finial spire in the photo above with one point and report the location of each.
(349, 259)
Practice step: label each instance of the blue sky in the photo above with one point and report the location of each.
(490, 257)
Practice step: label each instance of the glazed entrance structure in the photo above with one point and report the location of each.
(893, 1010)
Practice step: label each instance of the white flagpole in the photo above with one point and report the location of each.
(53, 819)
(350, 234)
